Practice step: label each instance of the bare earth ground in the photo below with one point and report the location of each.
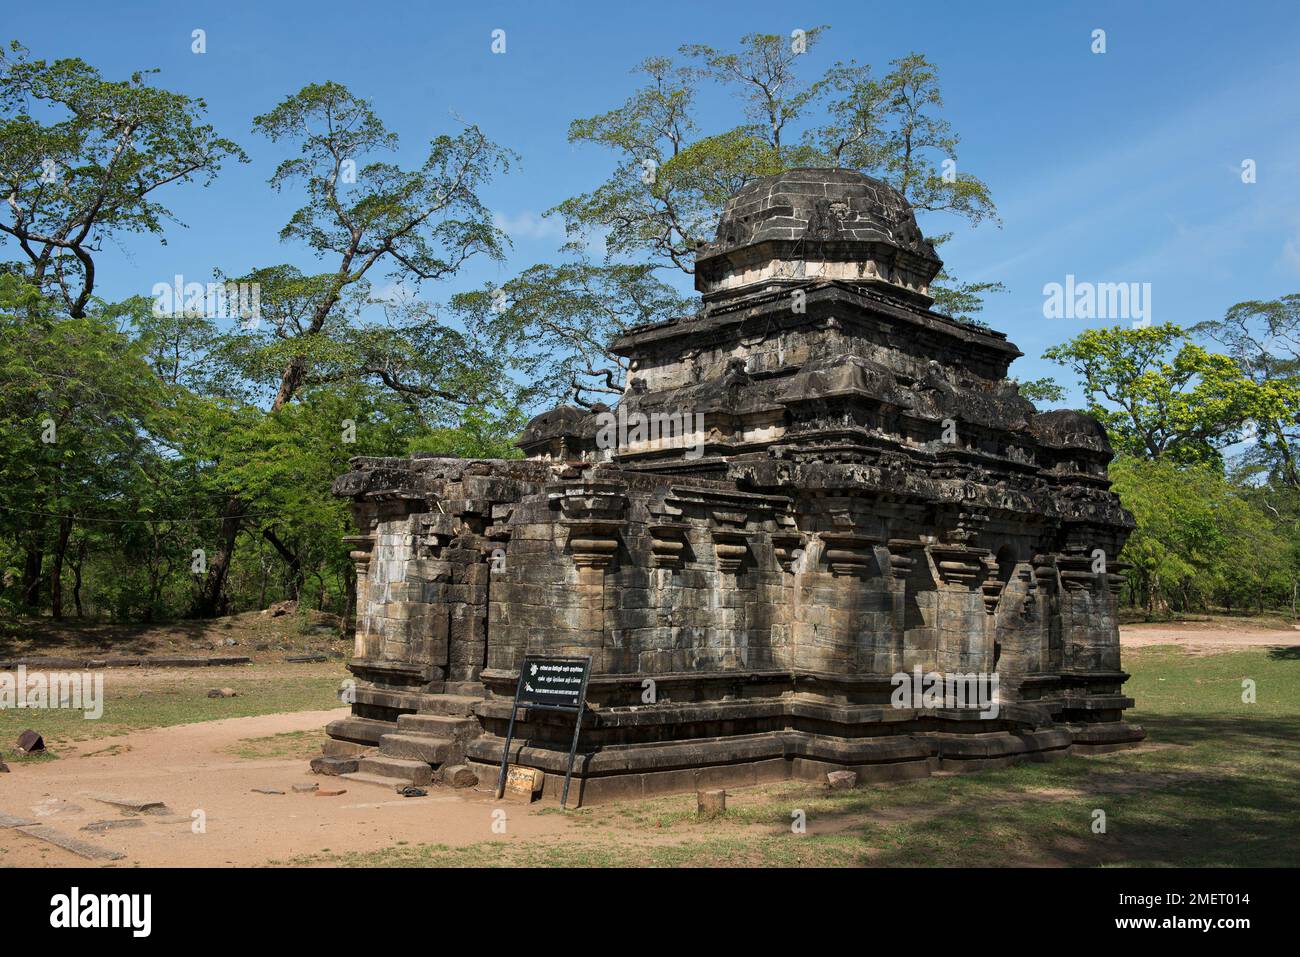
(213, 767)
(190, 768)
(1211, 636)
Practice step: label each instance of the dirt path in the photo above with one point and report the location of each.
(188, 767)
(1208, 637)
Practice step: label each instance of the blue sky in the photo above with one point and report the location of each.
(1123, 166)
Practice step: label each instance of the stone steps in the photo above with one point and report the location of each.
(361, 730)
(382, 780)
(436, 725)
(403, 770)
(409, 750)
(475, 688)
(457, 705)
(415, 747)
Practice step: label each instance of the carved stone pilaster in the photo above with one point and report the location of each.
(730, 540)
(592, 513)
(1115, 577)
(849, 553)
(668, 544)
(958, 565)
(361, 547)
(787, 546)
(903, 556)
(1076, 572)
(992, 585)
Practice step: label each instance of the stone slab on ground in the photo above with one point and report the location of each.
(126, 803)
(327, 764)
(8, 820)
(113, 824)
(75, 845)
(165, 661)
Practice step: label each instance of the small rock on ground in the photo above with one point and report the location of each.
(841, 780)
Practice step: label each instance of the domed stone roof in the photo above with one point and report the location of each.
(823, 223)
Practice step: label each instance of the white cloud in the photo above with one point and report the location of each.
(529, 225)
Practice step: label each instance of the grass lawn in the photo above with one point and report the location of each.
(1217, 783)
(135, 699)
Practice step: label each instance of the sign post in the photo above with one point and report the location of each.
(549, 683)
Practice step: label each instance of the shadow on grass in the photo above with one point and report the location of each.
(1230, 797)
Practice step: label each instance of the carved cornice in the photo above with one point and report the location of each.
(958, 565)
(787, 545)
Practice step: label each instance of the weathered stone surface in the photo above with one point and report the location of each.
(113, 824)
(458, 776)
(811, 485)
(326, 764)
(91, 852)
(139, 805)
(842, 780)
(711, 803)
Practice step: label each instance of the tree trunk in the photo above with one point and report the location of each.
(32, 564)
(56, 572)
(293, 560)
(209, 602)
(76, 577)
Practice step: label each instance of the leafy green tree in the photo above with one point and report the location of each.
(363, 215)
(1042, 390)
(568, 314)
(77, 408)
(1158, 394)
(1202, 539)
(670, 178)
(1263, 337)
(83, 160)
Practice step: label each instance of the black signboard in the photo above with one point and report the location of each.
(549, 683)
(553, 681)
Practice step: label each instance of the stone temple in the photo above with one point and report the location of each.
(812, 485)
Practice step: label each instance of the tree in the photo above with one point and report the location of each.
(419, 224)
(78, 407)
(1264, 340)
(1159, 394)
(670, 179)
(82, 160)
(1201, 538)
(568, 314)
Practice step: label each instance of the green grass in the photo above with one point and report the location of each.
(288, 744)
(135, 699)
(1218, 784)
